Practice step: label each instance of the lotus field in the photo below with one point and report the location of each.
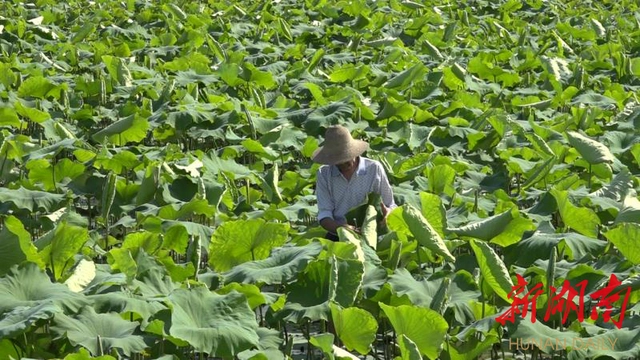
(157, 194)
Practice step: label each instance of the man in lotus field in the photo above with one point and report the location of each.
(346, 179)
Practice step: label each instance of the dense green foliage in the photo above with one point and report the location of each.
(157, 193)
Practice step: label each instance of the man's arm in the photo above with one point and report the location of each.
(332, 226)
(386, 194)
(384, 189)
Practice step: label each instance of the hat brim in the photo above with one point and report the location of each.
(327, 156)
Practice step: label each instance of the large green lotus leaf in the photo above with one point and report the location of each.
(119, 162)
(583, 220)
(591, 150)
(149, 184)
(159, 325)
(20, 319)
(463, 297)
(345, 280)
(40, 171)
(370, 227)
(153, 280)
(619, 344)
(425, 327)
(591, 98)
(219, 325)
(408, 349)
(324, 116)
(408, 76)
(375, 277)
(38, 87)
(123, 260)
(514, 231)
(524, 330)
(176, 238)
(7, 76)
(31, 200)
(270, 185)
(16, 246)
(324, 342)
(194, 229)
(539, 245)
(618, 188)
(486, 229)
(434, 211)
(9, 117)
(60, 245)
(187, 210)
(539, 172)
(117, 70)
(339, 249)
(51, 150)
(124, 302)
(441, 178)
(281, 267)
(357, 215)
(409, 220)
(351, 237)
(626, 238)
(420, 293)
(216, 165)
(253, 294)
(355, 327)
(137, 254)
(83, 354)
(348, 72)
(132, 128)
(27, 285)
(104, 279)
(394, 108)
(483, 326)
(99, 333)
(471, 349)
(308, 297)
(236, 242)
(492, 268)
(255, 147)
(144, 240)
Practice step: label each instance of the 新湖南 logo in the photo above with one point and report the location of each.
(563, 302)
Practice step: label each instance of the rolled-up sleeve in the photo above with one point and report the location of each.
(325, 202)
(384, 189)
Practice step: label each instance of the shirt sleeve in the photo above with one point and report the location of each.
(385, 191)
(325, 202)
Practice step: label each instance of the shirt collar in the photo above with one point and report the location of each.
(361, 171)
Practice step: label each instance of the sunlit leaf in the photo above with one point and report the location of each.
(236, 242)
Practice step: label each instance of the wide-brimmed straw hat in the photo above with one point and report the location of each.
(339, 147)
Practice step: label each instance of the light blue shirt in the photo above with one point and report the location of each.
(337, 195)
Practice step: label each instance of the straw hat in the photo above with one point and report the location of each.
(339, 147)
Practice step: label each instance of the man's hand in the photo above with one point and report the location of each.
(352, 228)
(385, 212)
(332, 226)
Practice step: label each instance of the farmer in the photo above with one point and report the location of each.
(346, 179)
